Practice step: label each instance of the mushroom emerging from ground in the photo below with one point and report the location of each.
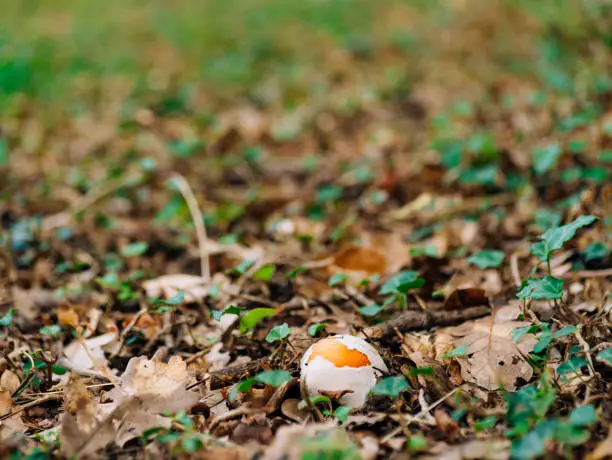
(342, 367)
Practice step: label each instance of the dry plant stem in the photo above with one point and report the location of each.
(516, 277)
(590, 367)
(126, 331)
(90, 356)
(413, 320)
(314, 410)
(198, 221)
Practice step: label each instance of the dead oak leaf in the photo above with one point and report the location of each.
(12, 424)
(492, 358)
(158, 386)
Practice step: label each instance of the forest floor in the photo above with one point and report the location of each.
(194, 194)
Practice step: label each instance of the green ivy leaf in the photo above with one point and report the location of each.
(391, 386)
(135, 249)
(264, 273)
(605, 356)
(52, 330)
(231, 310)
(458, 352)
(242, 387)
(572, 365)
(565, 331)
(341, 413)
(314, 329)
(273, 378)
(519, 332)
(402, 283)
(254, 316)
(556, 237)
(546, 288)
(534, 443)
(338, 278)
(541, 250)
(487, 259)
(371, 310)
(545, 158)
(279, 332)
(583, 416)
(7, 319)
(595, 250)
(417, 443)
(243, 267)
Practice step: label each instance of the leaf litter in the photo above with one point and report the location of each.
(156, 299)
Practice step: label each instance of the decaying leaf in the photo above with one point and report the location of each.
(86, 356)
(146, 389)
(492, 359)
(472, 450)
(10, 425)
(195, 287)
(9, 381)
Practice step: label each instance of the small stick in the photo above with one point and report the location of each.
(417, 320)
(198, 221)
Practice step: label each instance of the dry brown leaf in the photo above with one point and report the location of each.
(195, 287)
(362, 259)
(158, 386)
(13, 424)
(492, 359)
(9, 381)
(89, 359)
(83, 428)
(67, 317)
(472, 450)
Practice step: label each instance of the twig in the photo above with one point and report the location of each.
(604, 273)
(314, 410)
(514, 269)
(198, 221)
(413, 320)
(36, 402)
(126, 331)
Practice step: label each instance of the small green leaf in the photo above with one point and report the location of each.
(279, 332)
(417, 443)
(556, 237)
(7, 319)
(402, 283)
(231, 310)
(572, 365)
(541, 250)
(486, 423)
(4, 153)
(273, 378)
(295, 272)
(487, 259)
(338, 278)
(519, 332)
(314, 400)
(135, 249)
(52, 330)
(243, 267)
(565, 331)
(314, 329)
(252, 317)
(605, 356)
(371, 310)
(595, 250)
(264, 273)
(583, 416)
(391, 386)
(242, 387)
(545, 158)
(192, 444)
(458, 352)
(341, 413)
(546, 288)
(543, 343)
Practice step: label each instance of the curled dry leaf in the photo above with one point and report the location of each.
(87, 356)
(195, 287)
(84, 429)
(146, 389)
(492, 358)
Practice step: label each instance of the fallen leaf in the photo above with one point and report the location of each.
(603, 449)
(472, 450)
(492, 358)
(88, 359)
(13, 424)
(361, 258)
(9, 381)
